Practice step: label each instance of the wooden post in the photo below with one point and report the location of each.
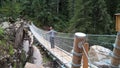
(115, 60)
(85, 58)
(79, 39)
(117, 22)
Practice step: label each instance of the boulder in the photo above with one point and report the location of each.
(99, 55)
(37, 55)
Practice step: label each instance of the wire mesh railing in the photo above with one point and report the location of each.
(102, 40)
(65, 40)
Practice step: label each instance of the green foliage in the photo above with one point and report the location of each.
(15, 65)
(10, 9)
(1, 31)
(81, 19)
(118, 8)
(11, 50)
(71, 7)
(59, 25)
(112, 7)
(63, 9)
(27, 8)
(37, 9)
(46, 59)
(100, 17)
(76, 15)
(105, 41)
(91, 14)
(2, 43)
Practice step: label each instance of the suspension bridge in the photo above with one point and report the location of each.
(62, 54)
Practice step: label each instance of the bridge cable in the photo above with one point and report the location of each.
(87, 56)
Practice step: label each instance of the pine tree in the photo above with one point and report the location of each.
(27, 9)
(112, 6)
(91, 14)
(80, 20)
(101, 20)
(118, 8)
(71, 8)
(10, 9)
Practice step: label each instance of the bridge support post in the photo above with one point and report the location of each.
(85, 58)
(79, 40)
(115, 60)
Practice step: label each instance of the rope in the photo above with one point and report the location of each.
(76, 65)
(77, 54)
(86, 55)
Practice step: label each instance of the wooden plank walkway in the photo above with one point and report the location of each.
(61, 55)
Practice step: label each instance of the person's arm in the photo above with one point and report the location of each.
(55, 32)
(48, 32)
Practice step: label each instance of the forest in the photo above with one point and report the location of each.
(88, 16)
(18, 45)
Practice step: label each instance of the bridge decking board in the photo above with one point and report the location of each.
(62, 56)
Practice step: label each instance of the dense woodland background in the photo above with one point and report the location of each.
(89, 16)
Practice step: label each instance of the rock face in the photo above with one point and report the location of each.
(26, 46)
(32, 52)
(30, 65)
(37, 56)
(4, 25)
(99, 55)
(31, 37)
